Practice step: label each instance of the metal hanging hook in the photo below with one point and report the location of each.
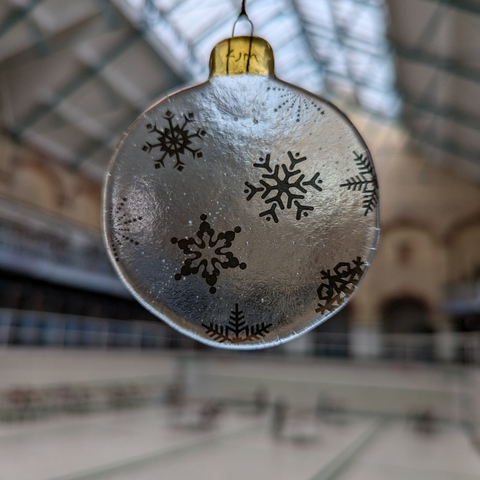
(241, 15)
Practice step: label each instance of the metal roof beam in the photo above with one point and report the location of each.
(109, 13)
(354, 47)
(174, 7)
(98, 144)
(40, 44)
(470, 6)
(440, 63)
(213, 28)
(231, 17)
(452, 114)
(39, 112)
(116, 131)
(306, 34)
(447, 145)
(17, 16)
(64, 39)
(162, 17)
(340, 38)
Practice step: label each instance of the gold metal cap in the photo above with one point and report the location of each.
(242, 56)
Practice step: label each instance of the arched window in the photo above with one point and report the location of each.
(406, 323)
(406, 315)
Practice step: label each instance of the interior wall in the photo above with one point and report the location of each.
(464, 252)
(409, 263)
(427, 238)
(28, 177)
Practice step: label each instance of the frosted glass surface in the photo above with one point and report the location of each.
(242, 211)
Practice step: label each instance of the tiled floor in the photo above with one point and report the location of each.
(397, 453)
(379, 388)
(66, 446)
(145, 445)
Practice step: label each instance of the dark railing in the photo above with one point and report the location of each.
(24, 327)
(82, 250)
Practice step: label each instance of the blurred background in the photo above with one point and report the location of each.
(93, 386)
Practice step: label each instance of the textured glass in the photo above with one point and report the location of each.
(242, 211)
(240, 55)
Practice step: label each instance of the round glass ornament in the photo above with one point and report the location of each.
(243, 211)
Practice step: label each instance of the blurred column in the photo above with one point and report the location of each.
(444, 345)
(301, 346)
(192, 374)
(6, 316)
(365, 340)
(474, 381)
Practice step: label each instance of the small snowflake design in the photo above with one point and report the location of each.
(283, 186)
(174, 141)
(207, 252)
(236, 330)
(365, 182)
(122, 224)
(339, 284)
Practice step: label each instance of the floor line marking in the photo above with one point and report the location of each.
(133, 463)
(69, 422)
(339, 463)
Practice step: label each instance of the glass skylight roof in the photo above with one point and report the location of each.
(330, 47)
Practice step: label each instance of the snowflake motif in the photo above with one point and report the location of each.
(237, 327)
(336, 286)
(197, 260)
(121, 231)
(292, 188)
(365, 182)
(174, 141)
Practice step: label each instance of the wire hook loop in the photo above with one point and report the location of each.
(243, 15)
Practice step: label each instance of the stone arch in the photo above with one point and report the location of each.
(410, 260)
(406, 314)
(409, 223)
(407, 323)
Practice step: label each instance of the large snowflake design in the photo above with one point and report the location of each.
(339, 284)
(122, 224)
(236, 330)
(365, 182)
(200, 257)
(287, 185)
(174, 140)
